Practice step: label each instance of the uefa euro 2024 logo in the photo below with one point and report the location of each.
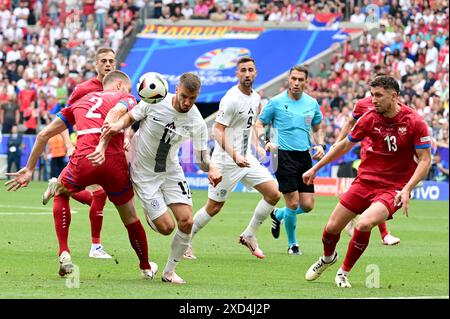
(221, 59)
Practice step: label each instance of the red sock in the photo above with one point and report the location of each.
(383, 229)
(84, 197)
(329, 242)
(62, 218)
(96, 214)
(356, 247)
(138, 240)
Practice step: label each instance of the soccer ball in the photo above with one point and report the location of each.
(152, 88)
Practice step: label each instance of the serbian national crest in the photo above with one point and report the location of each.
(402, 130)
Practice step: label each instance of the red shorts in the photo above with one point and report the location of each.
(361, 195)
(113, 175)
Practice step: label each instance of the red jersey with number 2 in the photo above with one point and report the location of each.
(89, 114)
(391, 157)
(82, 89)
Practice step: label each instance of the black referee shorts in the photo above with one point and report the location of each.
(291, 166)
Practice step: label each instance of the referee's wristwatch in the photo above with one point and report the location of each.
(324, 146)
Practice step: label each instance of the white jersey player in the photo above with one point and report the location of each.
(157, 177)
(233, 132)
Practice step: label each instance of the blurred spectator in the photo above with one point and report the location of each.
(88, 10)
(357, 16)
(9, 112)
(158, 4)
(439, 169)
(233, 12)
(177, 15)
(147, 10)
(217, 13)
(30, 119)
(201, 10)
(14, 153)
(57, 151)
(21, 14)
(431, 57)
(187, 11)
(250, 15)
(101, 10)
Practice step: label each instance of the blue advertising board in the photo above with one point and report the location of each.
(212, 52)
(431, 191)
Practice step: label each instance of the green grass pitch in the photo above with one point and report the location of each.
(417, 267)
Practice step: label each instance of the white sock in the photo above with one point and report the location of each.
(262, 211)
(328, 259)
(201, 218)
(180, 243)
(341, 272)
(95, 246)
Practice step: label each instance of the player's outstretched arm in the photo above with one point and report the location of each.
(337, 152)
(23, 177)
(345, 129)
(423, 166)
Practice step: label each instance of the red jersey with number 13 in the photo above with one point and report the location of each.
(390, 159)
(89, 114)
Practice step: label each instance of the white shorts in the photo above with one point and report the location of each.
(158, 190)
(250, 176)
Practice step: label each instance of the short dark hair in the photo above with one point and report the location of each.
(300, 68)
(386, 82)
(115, 75)
(245, 59)
(190, 81)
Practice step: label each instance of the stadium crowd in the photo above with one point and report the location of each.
(48, 47)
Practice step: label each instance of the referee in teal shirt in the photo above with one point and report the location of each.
(293, 114)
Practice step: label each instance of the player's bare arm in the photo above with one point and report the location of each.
(23, 177)
(318, 138)
(219, 136)
(423, 166)
(67, 142)
(269, 146)
(259, 134)
(351, 121)
(204, 161)
(113, 128)
(113, 116)
(341, 148)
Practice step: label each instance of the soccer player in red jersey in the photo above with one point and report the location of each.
(399, 157)
(90, 113)
(95, 197)
(361, 107)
